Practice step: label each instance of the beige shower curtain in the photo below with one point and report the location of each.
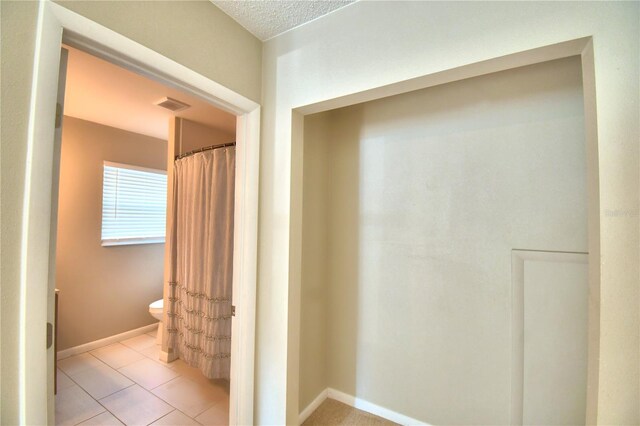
(201, 243)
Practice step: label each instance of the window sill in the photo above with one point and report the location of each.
(131, 241)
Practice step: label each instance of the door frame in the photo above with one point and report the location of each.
(55, 25)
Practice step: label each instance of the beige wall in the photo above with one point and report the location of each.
(195, 135)
(411, 207)
(313, 294)
(193, 33)
(18, 40)
(202, 37)
(103, 290)
(370, 44)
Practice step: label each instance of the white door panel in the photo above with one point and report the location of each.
(550, 311)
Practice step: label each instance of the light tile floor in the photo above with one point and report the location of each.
(126, 383)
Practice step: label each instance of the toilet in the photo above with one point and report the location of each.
(155, 309)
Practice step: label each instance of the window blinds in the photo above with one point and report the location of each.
(134, 204)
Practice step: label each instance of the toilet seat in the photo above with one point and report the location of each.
(156, 308)
(157, 305)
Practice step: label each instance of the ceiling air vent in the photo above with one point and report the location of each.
(172, 104)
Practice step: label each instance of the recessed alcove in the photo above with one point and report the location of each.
(410, 208)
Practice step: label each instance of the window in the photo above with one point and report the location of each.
(134, 205)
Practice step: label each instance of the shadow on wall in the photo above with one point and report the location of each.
(332, 178)
(418, 200)
(345, 224)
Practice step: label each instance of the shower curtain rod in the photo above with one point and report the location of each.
(206, 148)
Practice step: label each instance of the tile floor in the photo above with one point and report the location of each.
(126, 383)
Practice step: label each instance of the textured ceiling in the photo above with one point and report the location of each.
(268, 18)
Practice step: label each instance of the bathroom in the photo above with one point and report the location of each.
(111, 368)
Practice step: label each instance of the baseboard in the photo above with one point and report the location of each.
(106, 341)
(304, 415)
(372, 408)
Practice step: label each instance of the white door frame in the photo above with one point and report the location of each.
(55, 23)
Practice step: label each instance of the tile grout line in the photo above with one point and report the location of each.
(106, 396)
(119, 390)
(134, 382)
(85, 420)
(202, 412)
(113, 414)
(97, 401)
(174, 410)
(89, 395)
(162, 384)
(89, 352)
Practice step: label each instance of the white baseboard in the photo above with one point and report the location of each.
(106, 341)
(304, 415)
(372, 408)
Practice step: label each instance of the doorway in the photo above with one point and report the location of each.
(58, 25)
(117, 146)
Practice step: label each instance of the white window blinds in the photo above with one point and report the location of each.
(134, 205)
